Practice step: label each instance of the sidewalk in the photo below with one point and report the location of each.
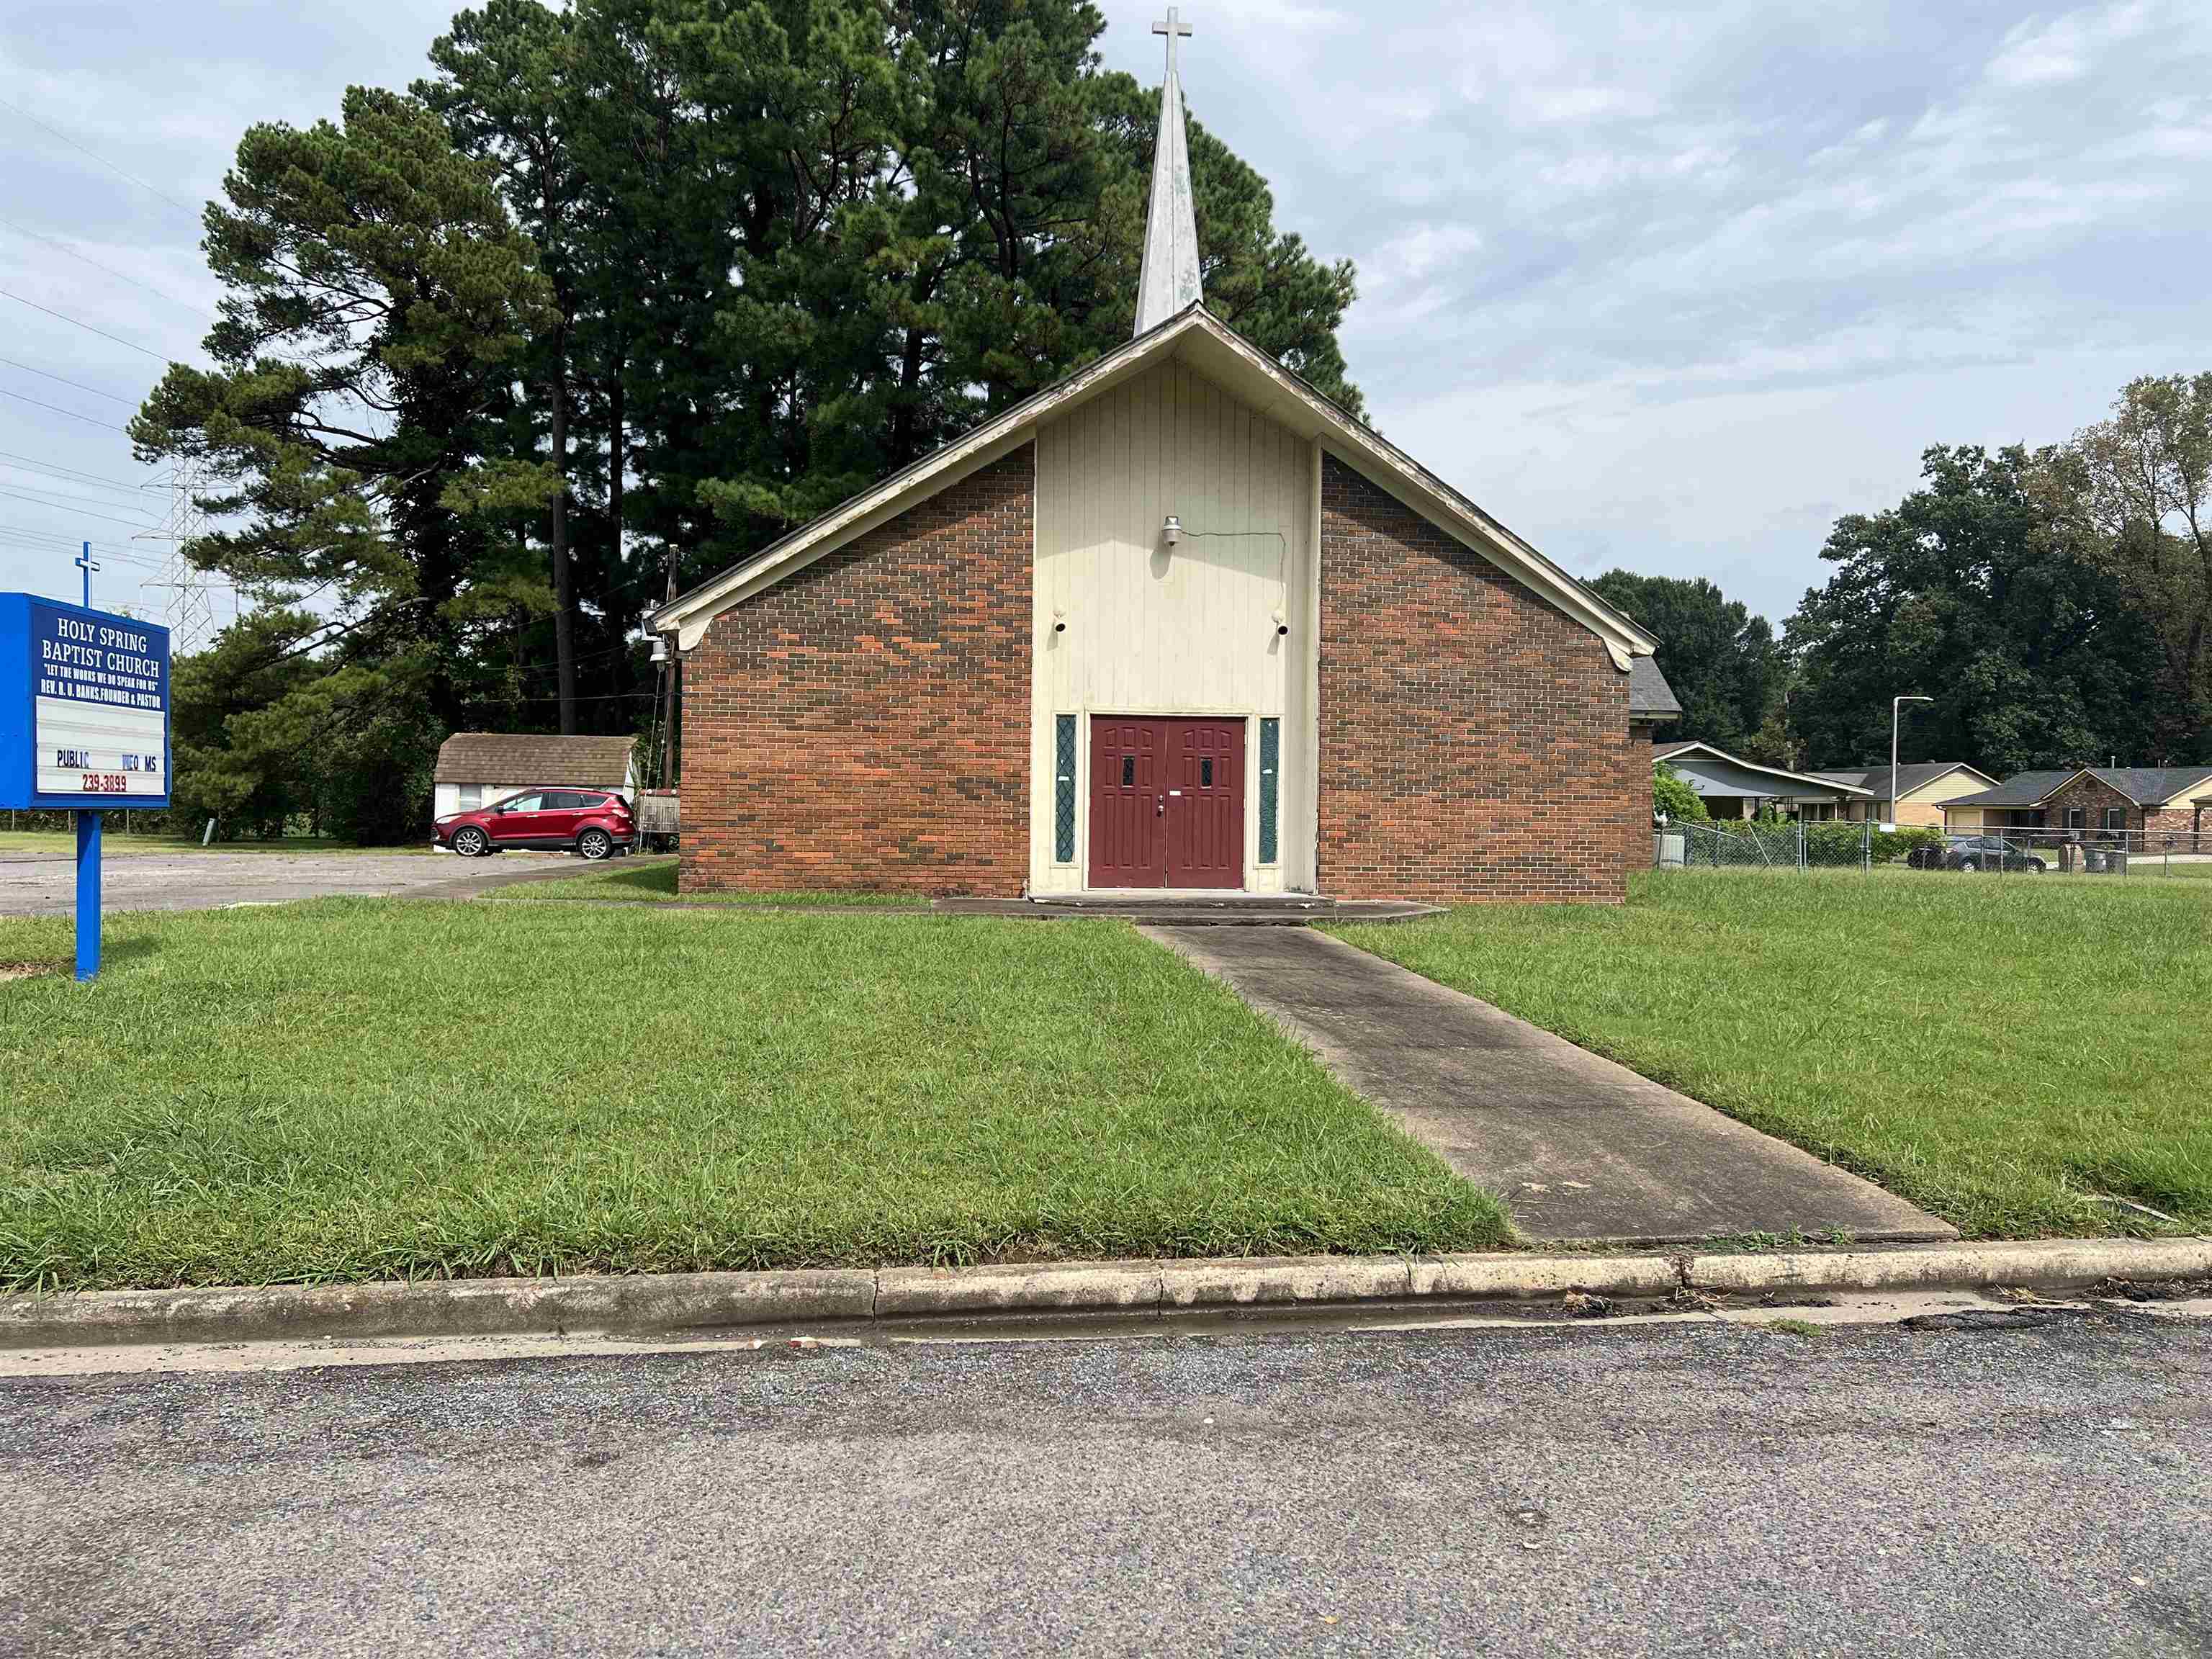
(1579, 1148)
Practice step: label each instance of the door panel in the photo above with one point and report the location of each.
(1167, 802)
(1128, 828)
(517, 822)
(563, 812)
(1205, 803)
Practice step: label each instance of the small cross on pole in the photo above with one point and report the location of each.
(1173, 28)
(83, 561)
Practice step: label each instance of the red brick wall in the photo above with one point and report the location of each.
(2176, 828)
(864, 724)
(1474, 742)
(2092, 796)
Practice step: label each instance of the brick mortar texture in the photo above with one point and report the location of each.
(865, 723)
(1475, 741)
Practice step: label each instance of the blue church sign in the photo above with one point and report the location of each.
(84, 727)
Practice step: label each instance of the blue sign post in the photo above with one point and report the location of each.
(84, 727)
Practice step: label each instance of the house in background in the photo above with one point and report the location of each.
(1732, 787)
(1920, 790)
(2160, 808)
(477, 767)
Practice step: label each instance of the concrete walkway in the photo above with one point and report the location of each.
(1578, 1147)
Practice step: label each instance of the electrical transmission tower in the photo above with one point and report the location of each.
(188, 610)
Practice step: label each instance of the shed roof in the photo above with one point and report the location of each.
(1650, 696)
(527, 757)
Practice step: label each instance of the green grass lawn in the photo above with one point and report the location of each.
(654, 882)
(363, 1089)
(1997, 1051)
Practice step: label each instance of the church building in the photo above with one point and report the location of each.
(1177, 622)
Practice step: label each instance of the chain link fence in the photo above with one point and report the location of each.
(1867, 846)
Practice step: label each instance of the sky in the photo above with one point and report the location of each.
(1670, 288)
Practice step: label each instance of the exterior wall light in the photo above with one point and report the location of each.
(1171, 531)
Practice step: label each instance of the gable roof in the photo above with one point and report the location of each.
(2155, 785)
(1650, 696)
(2141, 785)
(1820, 782)
(1917, 776)
(1225, 358)
(521, 758)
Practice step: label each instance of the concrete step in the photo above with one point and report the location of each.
(1207, 910)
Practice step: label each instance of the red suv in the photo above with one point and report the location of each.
(593, 822)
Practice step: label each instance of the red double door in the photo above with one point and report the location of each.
(1167, 802)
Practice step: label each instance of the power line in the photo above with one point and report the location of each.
(145, 350)
(64, 495)
(106, 555)
(102, 159)
(17, 483)
(40, 403)
(56, 242)
(45, 375)
(54, 469)
(99, 557)
(132, 523)
(61, 540)
(66, 478)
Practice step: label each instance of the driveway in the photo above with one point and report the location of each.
(1578, 1147)
(42, 885)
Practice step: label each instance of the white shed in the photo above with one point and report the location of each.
(477, 767)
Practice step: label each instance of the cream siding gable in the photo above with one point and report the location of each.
(1212, 350)
(1191, 629)
(1949, 786)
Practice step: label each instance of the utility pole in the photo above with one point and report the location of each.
(671, 673)
(1896, 707)
(189, 610)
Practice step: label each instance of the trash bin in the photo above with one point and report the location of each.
(1667, 851)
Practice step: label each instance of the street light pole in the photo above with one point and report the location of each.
(1896, 708)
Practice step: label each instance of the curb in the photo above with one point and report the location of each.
(660, 1304)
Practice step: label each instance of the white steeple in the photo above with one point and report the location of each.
(1169, 280)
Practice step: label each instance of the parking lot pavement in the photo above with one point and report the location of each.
(43, 885)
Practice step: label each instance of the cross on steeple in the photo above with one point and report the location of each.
(1168, 280)
(1174, 28)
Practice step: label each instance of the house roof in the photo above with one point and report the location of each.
(522, 758)
(2141, 785)
(1822, 784)
(1650, 696)
(1876, 779)
(1225, 358)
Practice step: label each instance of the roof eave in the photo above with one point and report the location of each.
(689, 614)
(1813, 778)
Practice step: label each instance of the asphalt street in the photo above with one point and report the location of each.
(1576, 1489)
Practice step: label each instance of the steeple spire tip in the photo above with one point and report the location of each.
(1169, 280)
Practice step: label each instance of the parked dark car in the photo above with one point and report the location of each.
(595, 823)
(1976, 853)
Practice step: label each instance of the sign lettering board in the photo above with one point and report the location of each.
(84, 708)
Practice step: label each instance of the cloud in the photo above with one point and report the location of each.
(1670, 285)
